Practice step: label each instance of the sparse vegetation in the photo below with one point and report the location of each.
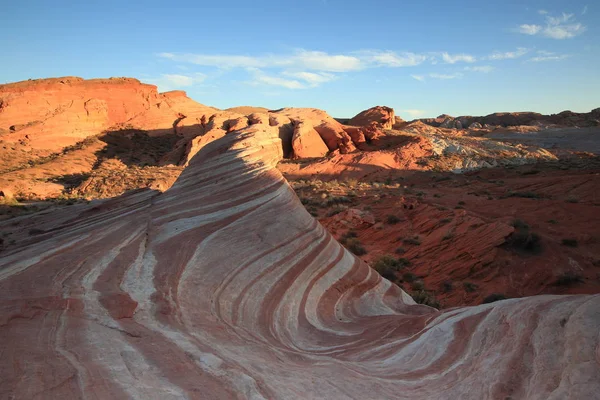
(387, 266)
(409, 277)
(392, 219)
(569, 242)
(400, 250)
(356, 247)
(447, 286)
(416, 241)
(526, 195)
(568, 279)
(469, 287)
(426, 298)
(493, 297)
(524, 239)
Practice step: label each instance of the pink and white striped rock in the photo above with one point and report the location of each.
(225, 287)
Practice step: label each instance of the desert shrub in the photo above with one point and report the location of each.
(520, 224)
(338, 200)
(348, 235)
(400, 250)
(356, 247)
(437, 195)
(335, 211)
(552, 221)
(449, 235)
(409, 277)
(524, 239)
(387, 266)
(418, 285)
(469, 287)
(493, 297)
(569, 242)
(445, 220)
(392, 219)
(461, 203)
(447, 286)
(426, 298)
(572, 199)
(526, 195)
(414, 241)
(568, 279)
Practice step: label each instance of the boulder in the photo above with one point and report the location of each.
(286, 132)
(335, 137)
(448, 123)
(384, 116)
(475, 125)
(306, 142)
(357, 135)
(258, 118)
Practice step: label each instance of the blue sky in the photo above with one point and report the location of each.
(423, 58)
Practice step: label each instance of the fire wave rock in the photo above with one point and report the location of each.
(225, 287)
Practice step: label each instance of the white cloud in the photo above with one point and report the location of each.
(563, 26)
(527, 29)
(414, 113)
(481, 68)
(420, 78)
(585, 9)
(259, 77)
(451, 59)
(446, 76)
(564, 31)
(321, 61)
(312, 78)
(312, 60)
(393, 59)
(542, 12)
(496, 55)
(548, 56)
(183, 80)
(166, 82)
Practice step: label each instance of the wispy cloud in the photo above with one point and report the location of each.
(528, 29)
(311, 78)
(311, 60)
(166, 82)
(544, 55)
(456, 75)
(480, 68)
(497, 55)
(260, 77)
(542, 12)
(585, 10)
(454, 58)
(413, 112)
(420, 78)
(563, 26)
(393, 59)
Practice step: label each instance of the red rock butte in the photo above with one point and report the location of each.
(225, 287)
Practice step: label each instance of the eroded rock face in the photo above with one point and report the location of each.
(50, 114)
(383, 116)
(306, 142)
(225, 287)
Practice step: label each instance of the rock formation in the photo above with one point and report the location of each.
(383, 116)
(53, 113)
(225, 287)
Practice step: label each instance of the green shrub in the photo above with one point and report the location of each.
(447, 286)
(569, 242)
(409, 277)
(426, 298)
(400, 250)
(356, 247)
